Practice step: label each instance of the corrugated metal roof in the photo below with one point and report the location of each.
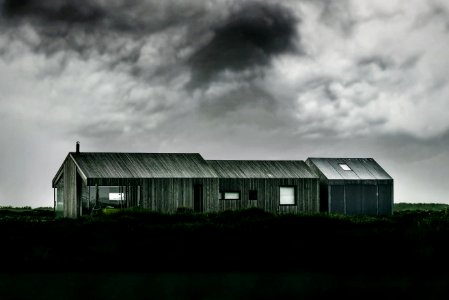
(261, 169)
(143, 165)
(361, 168)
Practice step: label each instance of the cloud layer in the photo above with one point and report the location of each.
(227, 78)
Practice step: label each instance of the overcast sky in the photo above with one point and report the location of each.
(228, 79)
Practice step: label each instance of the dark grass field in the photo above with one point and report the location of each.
(251, 254)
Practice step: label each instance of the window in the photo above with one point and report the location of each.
(287, 195)
(252, 195)
(116, 196)
(59, 192)
(345, 167)
(230, 195)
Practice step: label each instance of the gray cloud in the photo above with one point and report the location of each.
(227, 78)
(337, 14)
(132, 17)
(54, 11)
(206, 39)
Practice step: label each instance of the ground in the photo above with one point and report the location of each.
(247, 254)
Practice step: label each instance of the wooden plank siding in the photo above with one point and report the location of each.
(158, 194)
(169, 194)
(268, 197)
(70, 202)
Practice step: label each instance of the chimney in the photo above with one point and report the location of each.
(77, 147)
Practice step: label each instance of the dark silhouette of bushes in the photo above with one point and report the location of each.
(255, 240)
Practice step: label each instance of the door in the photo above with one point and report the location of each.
(353, 197)
(385, 199)
(337, 199)
(198, 197)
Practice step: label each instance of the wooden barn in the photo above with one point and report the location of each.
(164, 182)
(161, 182)
(274, 186)
(353, 186)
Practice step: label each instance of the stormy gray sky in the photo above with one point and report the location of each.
(228, 79)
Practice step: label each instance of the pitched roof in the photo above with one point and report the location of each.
(142, 165)
(261, 169)
(360, 168)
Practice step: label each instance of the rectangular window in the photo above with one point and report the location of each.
(252, 195)
(230, 195)
(116, 196)
(287, 195)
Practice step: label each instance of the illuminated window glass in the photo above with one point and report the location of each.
(116, 196)
(231, 196)
(287, 195)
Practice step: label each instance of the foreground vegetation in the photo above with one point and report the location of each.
(420, 206)
(233, 240)
(248, 254)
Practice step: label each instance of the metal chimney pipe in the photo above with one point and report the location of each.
(77, 147)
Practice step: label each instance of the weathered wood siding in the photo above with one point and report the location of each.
(70, 193)
(268, 195)
(169, 194)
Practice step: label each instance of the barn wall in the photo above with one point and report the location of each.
(70, 205)
(169, 194)
(354, 198)
(337, 199)
(386, 198)
(307, 191)
(365, 197)
(369, 199)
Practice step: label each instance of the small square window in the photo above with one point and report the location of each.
(345, 167)
(252, 195)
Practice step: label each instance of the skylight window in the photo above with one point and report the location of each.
(345, 167)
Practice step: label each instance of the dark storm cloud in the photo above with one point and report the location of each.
(54, 11)
(249, 37)
(130, 16)
(89, 27)
(216, 36)
(256, 79)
